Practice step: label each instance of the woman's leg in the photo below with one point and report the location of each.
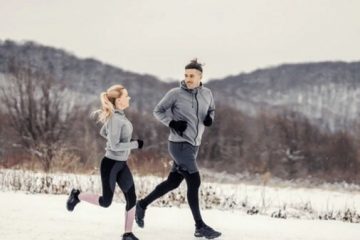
(130, 212)
(108, 172)
(126, 184)
(90, 198)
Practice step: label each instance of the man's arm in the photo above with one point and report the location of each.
(165, 103)
(211, 111)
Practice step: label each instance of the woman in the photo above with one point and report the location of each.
(117, 130)
(192, 108)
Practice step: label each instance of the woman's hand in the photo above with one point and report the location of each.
(140, 142)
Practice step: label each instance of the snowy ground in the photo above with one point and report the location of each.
(43, 217)
(281, 200)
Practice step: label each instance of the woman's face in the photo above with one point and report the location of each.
(123, 101)
(192, 78)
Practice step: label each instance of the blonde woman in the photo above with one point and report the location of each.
(117, 130)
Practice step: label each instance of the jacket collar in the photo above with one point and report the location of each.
(183, 86)
(119, 111)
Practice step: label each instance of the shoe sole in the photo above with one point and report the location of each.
(211, 237)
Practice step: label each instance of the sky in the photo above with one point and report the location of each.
(159, 37)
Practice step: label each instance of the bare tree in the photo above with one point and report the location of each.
(37, 110)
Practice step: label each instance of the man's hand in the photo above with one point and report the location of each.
(178, 126)
(208, 121)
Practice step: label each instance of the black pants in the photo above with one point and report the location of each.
(173, 181)
(113, 172)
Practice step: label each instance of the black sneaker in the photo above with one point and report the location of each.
(129, 236)
(73, 199)
(207, 232)
(139, 215)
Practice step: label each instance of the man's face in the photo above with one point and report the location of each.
(192, 78)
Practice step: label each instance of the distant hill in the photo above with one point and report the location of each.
(88, 77)
(328, 93)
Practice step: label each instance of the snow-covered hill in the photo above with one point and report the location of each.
(325, 92)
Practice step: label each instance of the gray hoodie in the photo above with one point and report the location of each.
(190, 105)
(117, 130)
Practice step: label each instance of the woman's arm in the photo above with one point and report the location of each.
(114, 132)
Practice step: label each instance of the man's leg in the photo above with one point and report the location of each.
(173, 181)
(193, 182)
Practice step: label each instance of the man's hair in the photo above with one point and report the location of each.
(194, 64)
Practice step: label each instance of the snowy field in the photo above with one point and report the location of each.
(43, 217)
(279, 200)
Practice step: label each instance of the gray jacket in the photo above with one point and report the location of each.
(190, 105)
(117, 130)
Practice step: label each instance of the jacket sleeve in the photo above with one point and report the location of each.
(103, 131)
(165, 103)
(114, 132)
(211, 110)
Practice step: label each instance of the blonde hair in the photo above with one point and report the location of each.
(108, 102)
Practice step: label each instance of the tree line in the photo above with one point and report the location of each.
(43, 128)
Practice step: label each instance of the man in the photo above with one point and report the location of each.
(192, 109)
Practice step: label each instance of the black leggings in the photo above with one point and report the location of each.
(173, 181)
(116, 172)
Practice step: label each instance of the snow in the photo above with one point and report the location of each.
(44, 217)
(283, 200)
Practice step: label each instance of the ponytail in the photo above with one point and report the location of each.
(107, 100)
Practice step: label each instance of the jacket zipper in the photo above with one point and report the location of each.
(192, 100)
(197, 116)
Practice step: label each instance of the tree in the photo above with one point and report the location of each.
(37, 109)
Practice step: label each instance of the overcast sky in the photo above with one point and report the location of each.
(160, 36)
